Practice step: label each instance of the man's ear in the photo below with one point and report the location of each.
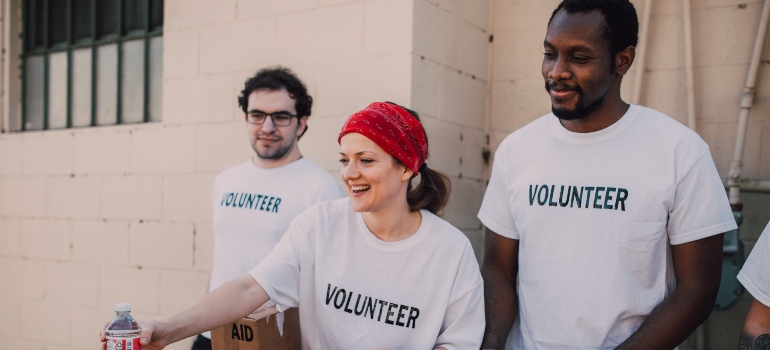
(301, 126)
(624, 59)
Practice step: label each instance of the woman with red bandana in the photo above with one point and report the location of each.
(376, 270)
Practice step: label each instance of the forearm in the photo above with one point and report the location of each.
(501, 307)
(756, 328)
(230, 302)
(673, 320)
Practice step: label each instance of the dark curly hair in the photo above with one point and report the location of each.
(621, 25)
(277, 78)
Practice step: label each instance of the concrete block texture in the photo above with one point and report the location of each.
(435, 32)
(10, 154)
(99, 151)
(666, 92)
(209, 98)
(518, 55)
(387, 27)
(323, 35)
(513, 15)
(665, 41)
(33, 280)
(47, 153)
(72, 283)
(237, 45)
(271, 8)
(517, 104)
(10, 274)
(135, 197)
(181, 289)
(476, 13)
(74, 197)
(10, 237)
(320, 142)
(83, 322)
(425, 74)
(48, 239)
(188, 197)
(16, 343)
(181, 14)
(464, 203)
(161, 245)
(181, 53)
(140, 286)
(444, 145)
(9, 323)
(473, 50)
(167, 149)
(472, 142)
(725, 35)
(100, 241)
(46, 322)
(204, 247)
(221, 145)
(462, 98)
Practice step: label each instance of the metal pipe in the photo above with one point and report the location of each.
(747, 100)
(641, 53)
(752, 185)
(687, 13)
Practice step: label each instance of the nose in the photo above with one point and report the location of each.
(558, 69)
(349, 171)
(268, 126)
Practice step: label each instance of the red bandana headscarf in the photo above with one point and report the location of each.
(394, 129)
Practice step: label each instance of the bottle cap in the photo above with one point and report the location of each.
(122, 307)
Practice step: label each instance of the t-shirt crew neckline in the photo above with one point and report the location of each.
(280, 169)
(596, 136)
(404, 244)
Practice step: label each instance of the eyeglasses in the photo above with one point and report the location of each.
(278, 118)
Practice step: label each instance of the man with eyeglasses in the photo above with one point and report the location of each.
(255, 201)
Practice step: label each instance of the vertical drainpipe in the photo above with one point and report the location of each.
(486, 152)
(687, 13)
(641, 53)
(747, 99)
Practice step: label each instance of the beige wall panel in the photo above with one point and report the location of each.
(724, 35)
(464, 202)
(46, 239)
(718, 93)
(387, 27)
(188, 197)
(444, 145)
(72, 283)
(10, 238)
(472, 164)
(9, 322)
(425, 73)
(665, 91)
(222, 51)
(132, 197)
(207, 98)
(33, 281)
(196, 13)
(10, 274)
(11, 343)
(711, 4)
(320, 143)
(140, 286)
(475, 12)
(222, 145)
(514, 15)
(473, 45)
(517, 56)
(84, 321)
(23, 196)
(270, 8)
(74, 197)
(161, 245)
(101, 151)
(721, 140)
(46, 322)
(477, 241)
(47, 152)
(517, 104)
(323, 35)
(10, 154)
(181, 289)
(180, 53)
(462, 99)
(204, 247)
(665, 45)
(764, 168)
(347, 87)
(435, 32)
(100, 242)
(169, 149)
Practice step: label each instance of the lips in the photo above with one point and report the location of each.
(360, 188)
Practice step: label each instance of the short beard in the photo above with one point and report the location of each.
(278, 154)
(581, 111)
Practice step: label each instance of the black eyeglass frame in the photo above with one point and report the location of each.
(272, 117)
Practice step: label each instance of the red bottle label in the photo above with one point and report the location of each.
(123, 343)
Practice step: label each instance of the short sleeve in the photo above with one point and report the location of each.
(755, 274)
(495, 212)
(700, 205)
(279, 272)
(330, 190)
(463, 325)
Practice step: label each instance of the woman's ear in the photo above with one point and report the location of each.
(407, 174)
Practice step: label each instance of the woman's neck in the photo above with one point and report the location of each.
(393, 225)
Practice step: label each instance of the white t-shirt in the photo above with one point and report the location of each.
(355, 291)
(755, 274)
(594, 214)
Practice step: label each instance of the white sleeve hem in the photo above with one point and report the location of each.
(704, 232)
(502, 231)
(755, 291)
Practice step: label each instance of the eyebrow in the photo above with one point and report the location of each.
(258, 111)
(573, 48)
(357, 153)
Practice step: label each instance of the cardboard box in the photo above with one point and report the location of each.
(262, 330)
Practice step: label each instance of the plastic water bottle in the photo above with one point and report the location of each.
(123, 332)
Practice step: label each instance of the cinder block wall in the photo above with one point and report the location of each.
(723, 38)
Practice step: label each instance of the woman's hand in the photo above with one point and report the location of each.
(151, 336)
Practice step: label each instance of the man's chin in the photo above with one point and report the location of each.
(567, 113)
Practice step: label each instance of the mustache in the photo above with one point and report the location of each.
(550, 85)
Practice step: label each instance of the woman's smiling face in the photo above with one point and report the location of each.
(372, 178)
